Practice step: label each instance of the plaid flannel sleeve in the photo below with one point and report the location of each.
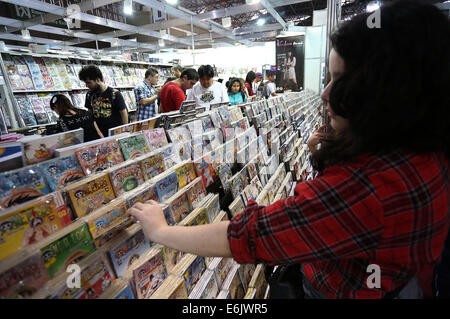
(337, 215)
(139, 94)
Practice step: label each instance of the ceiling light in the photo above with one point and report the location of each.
(226, 22)
(26, 34)
(373, 6)
(260, 22)
(128, 7)
(161, 42)
(250, 2)
(172, 2)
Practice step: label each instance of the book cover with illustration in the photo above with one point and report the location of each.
(98, 157)
(133, 146)
(23, 280)
(207, 123)
(141, 195)
(211, 288)
(53, 71)
(172, 288)
(21, 185)
(43, 149)
(156, 138)
(29, 223)
(90, 194)
(24, 72)
(167, 186)
(179, 206)
(149, 276)
(13, 74)
(68, 249)
(62, 72)
(196, 192)
(152, 165)
(107, 218)
(35, 71)
(179, 134)
(126, 178)
(205, 170)
(61, 171)
(172, 257)
(125, 253)
(213, 208)
(185, 174)
(193, 273)
(25, 110)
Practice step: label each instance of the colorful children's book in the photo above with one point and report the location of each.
(149, 273)
(23, 279)
(205, 170)
(29, 223)
(178, 207)
(53, 71)
(70, 247)
(98, 157)
(43, 149)
(61, 171)
(124, 250)
(196, 192)
(89, 194)
(152, 165)
(126, 177)
(35, 71)
(107, 218)
(185, 174)
(133, 146)
(166, 186)
(140, 195)
(156, 138)
(21, 185)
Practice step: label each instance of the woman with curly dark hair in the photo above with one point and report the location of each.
(381, 200)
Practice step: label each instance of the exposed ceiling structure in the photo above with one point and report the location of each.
(102, 25)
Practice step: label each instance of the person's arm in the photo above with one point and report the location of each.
(124, 116)
(98, 130)
(119, 104)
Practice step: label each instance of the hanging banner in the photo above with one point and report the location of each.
(290, 55)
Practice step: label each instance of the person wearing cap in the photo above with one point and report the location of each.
(257, 81)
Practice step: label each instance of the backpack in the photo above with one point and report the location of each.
(262, 92)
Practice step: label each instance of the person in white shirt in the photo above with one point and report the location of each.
(271, 87)
(207, 91)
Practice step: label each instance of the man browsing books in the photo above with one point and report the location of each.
(146, 95)
(172, 93)
(106, 104)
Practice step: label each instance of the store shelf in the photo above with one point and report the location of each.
(66, 90)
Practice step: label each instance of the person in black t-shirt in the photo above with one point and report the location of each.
(72, 118)
(106, 104)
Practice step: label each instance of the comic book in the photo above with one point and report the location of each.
(23, 279)
(185, 174)
(35, 71)
(172, 154)
(89, 194)
(21, 185)
(156, 138)
(205, 170)
(246, 272)
(62, 72)
(24, 72)
(178, 206)
(258, 282)
(196, 192)
(107, 218)
(71, 246)
(237, 206)
(98, 157)
(197, 217)
(133, 146)
(140, 195)
(172, 288)
(152, 165)
(195, 127)
(207, 124)
(124, 250)
(221, 267)
(25, 110)
(191, 271)
(206, 288)
(126, 177)
(225, 174)
(43, 149)
(179, 134)
(172, 258)
(53, 71)
(166, 186)
(13, 75)
(233, 284)
(149, 273)
(61, 171)
(213, 208)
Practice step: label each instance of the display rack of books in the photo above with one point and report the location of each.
(67, 205)
(35, 78)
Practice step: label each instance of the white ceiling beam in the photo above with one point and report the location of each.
(273, 12)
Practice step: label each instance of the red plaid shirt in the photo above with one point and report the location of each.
(392, 211)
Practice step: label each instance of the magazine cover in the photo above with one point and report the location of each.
(107, 218)
(61, 171)
(156, 138)
(133, 146)
(126, 178)
(69, 249)
(172, 154)
(167, 186)
(90, 194)
(98, 157)
(142, 195)
(152, 166)
(179, 207)
(172, 258)
(196, 192)
(205, 170)
(43, 149)
(29, 223)
(126, 253)
(24, 279)
(185, 174)
(149, 276)
(21, 185)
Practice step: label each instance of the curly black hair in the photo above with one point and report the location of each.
(394, 91)
(90, 72)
